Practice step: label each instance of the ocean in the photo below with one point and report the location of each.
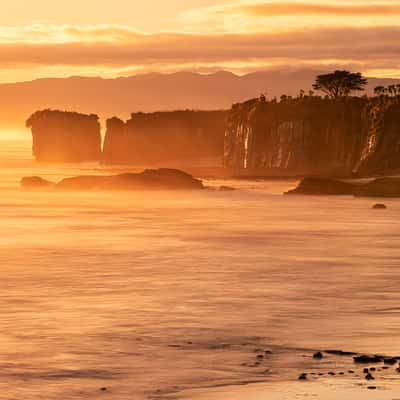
(145, 295)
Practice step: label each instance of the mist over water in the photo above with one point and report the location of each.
(148, 293)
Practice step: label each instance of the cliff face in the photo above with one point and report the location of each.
(163, 137)
(311, 135)
(60, 136)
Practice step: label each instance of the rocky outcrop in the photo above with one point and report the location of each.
(323, 186)
(312, 135)
(180, 137)
(159, 179)
(60, 136)
(380, 187)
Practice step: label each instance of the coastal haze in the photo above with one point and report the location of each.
(148, 249)
(151, 92)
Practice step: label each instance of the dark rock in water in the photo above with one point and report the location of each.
(371, 387)
(323, 186)
(331, 373)
(390, 361)
(379, 207)
(103, 389)
(36, 182)
(367, 359)
(302, 377)
(369, 377)
(340, 353)
(366, 370)
(381, 187)
(226, 189)
(385, 367)
(159, 179)
(398, 369)
(341, 373)
(260, 356)
(373, 369)
(318, 356)
(350, 371)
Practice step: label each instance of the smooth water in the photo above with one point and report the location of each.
(148, 293)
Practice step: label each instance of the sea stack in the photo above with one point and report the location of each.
(61, 136)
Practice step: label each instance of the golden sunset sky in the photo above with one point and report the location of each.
(48, 38)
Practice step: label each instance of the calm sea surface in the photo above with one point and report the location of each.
(149, 293)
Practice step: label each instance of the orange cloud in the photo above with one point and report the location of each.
(133, 48)
(269, 9)
(105, 50)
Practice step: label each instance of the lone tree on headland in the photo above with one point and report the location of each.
(340, 83)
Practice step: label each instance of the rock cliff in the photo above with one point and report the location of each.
(312, 135)
(60, 136)
(183, 137)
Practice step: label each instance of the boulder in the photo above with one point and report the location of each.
(323, 186)
(36, 182)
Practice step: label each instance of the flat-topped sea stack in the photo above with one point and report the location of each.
(150, 179)
(166, 138)
(60, 136)
(311, 135)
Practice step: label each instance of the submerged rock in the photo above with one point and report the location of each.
(390, 361)
(367, 359)
(323, 186)
(35, 182)
(379, 207)
(318, 356)
(340, 353)
(302, 377)
(160, 179)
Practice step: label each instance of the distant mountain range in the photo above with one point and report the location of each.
(149, 92)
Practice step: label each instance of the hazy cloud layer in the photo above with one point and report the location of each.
(132, 48)
(241, 36)
(270, 8)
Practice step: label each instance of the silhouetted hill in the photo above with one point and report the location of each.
(149, 92)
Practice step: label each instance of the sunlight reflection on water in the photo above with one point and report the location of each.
(144, 291)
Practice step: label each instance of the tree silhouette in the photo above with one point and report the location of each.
(340, 83)
(380, 90)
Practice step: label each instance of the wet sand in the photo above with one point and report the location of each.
(327, 389)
